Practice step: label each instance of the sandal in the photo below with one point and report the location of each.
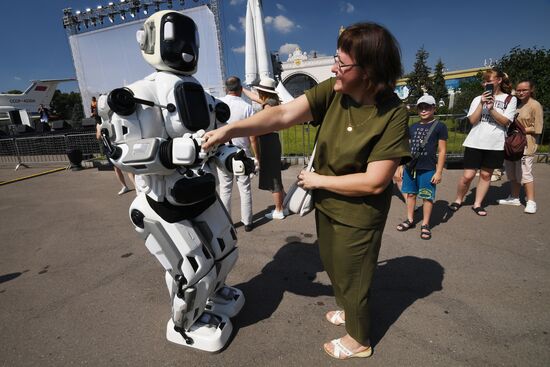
(425, 232)
(406, 225)
(455, 206)
(341, 352)
(336, 318)
(480, 211)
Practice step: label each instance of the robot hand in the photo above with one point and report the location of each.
(187, 149)
(111, 151)
(242, 165)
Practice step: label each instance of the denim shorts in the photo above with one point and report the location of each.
(420, 185)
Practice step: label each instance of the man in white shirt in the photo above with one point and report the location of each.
(239, 111)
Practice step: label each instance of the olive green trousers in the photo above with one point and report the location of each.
(349, 256)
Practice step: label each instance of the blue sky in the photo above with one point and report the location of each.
(462, 33)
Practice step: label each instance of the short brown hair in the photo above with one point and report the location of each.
(377, 51)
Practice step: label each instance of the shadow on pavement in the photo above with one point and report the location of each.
(398, 283)
(293, 269)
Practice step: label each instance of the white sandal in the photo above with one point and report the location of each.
(336, 318)
(341, 352)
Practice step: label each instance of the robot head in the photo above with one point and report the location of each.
(169, 41)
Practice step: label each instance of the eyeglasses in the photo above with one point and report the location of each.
(341, 65)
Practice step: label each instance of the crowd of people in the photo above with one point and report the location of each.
(490, 115)
(363, 140)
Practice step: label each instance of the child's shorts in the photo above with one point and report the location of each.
(421, 185)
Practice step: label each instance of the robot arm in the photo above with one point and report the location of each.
(233, 160)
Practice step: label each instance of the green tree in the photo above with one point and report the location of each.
(63, 103)
(529, 63)
(439, 90)
(419, 80)
(77, 114)
(468, 90)
(13, 91)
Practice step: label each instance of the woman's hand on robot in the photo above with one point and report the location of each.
(214, 138)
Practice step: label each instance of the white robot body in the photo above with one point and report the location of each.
(154, 128)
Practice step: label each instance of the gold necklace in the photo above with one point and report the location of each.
(351, 125)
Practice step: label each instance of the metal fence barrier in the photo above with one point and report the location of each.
(297, 144)
(46, 149)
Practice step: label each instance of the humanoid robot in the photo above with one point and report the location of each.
(154, 128)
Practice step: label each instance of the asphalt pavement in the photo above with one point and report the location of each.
(78, 287)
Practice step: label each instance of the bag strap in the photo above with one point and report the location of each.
(310, 163)
(425, 141)
(507, 100)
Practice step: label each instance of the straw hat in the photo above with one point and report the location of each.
(267, 85)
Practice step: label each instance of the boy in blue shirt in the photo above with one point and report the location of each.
(422, 179)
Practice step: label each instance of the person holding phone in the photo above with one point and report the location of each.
(490, 114)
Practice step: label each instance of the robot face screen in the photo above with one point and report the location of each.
(178, 47)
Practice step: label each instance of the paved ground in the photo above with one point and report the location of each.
(78, 287)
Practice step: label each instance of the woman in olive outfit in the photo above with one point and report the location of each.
(363, 137)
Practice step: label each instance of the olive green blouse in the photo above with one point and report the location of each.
(350, 137)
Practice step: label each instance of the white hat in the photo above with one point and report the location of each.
(426, 98)
(267, 85)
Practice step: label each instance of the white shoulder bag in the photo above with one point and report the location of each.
(297, 199)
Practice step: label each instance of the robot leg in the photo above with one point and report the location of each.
(219, 232)
(191, 277)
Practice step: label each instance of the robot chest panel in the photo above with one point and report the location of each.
(194, 109)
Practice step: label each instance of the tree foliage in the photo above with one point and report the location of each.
(439, 90)
(532, 64)
(419, 80)
(64, 104)
(13, 91)
(469, 89)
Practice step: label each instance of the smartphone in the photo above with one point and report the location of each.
(489, 87)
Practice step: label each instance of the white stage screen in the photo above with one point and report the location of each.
(110, 58)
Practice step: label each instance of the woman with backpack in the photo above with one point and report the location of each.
(519, 172)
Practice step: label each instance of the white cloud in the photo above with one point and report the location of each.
(281, 23)
(232, 28)
(346, 7)
(238, 50)
(235, 2)
(287, 49)
(242, 22)
(281, 7)
(17, 78)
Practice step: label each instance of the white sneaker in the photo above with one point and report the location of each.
(124, 190)
(531, 207)
(510, 201)
(275, 215)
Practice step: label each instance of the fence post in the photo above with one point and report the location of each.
(17, 153)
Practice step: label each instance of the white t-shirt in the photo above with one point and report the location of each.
(239, 111)
(487, 134)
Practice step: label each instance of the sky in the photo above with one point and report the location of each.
(462, 33)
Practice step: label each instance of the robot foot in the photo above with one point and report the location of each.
(227, 301)
(209, 333)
